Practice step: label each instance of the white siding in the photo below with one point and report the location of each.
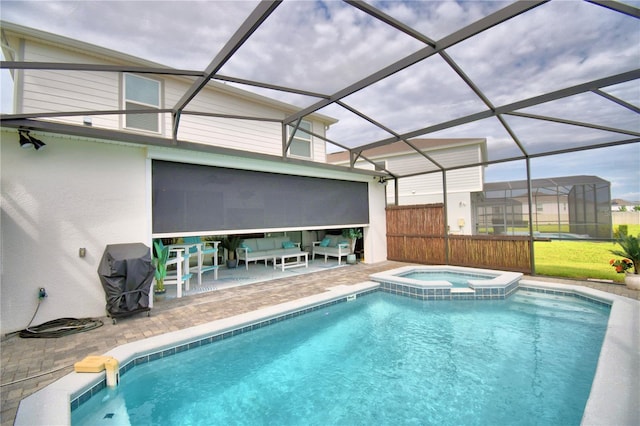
(319, 150)
(428, 188)
(409, 164)
(55, 91)
(52, 91)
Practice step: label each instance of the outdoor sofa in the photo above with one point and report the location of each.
(267, 248)
(332, 245)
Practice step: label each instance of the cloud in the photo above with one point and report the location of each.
(181, 34)
(544, 50)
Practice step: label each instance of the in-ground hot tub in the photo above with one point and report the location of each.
(442, 282)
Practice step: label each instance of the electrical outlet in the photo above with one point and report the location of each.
(42, 293)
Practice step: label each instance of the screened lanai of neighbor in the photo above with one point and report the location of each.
(564, 208)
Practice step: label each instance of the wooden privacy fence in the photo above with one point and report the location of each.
(416, 234)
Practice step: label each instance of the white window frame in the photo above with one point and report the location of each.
(138, 103)
(301, 139)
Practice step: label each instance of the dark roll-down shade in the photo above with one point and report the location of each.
(196, 198)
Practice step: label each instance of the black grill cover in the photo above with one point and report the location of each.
(126, 273)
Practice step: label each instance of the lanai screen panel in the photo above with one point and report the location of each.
(590, 209)
(197, 198)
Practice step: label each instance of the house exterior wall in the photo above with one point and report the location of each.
(77, 193)
(59, 91)
(375, 236)
(72, 194)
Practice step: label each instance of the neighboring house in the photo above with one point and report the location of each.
(618, 204)
(429, 188)
(113, 178)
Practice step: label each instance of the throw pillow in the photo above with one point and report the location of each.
(288, 244)
(325, 242)
(244, 246)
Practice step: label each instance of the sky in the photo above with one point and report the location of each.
(324, 46)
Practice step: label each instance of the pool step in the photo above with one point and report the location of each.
(466, 290)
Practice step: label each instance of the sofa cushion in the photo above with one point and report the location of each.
(288, 245)
(335, 240)
(278, 241)
(266, 244)
(251, 243)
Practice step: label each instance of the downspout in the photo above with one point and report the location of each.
(175, 124)
(284, 140)
(396, 187)
(446, 220)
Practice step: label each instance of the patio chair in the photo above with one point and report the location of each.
(202, 249)
(180, 277)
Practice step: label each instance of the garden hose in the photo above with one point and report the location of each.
(58, 327)
(61, 327)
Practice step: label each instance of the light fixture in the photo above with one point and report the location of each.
(37, 143)
(25, 141)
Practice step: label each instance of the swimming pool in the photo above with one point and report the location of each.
(382, 359)
(612, 399)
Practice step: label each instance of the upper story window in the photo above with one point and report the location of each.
(301, 143)
(141, 93)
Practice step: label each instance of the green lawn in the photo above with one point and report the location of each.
(578, 258)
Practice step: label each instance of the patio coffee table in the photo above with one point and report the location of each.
(298, 262)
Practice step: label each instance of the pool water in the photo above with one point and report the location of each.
(382, 359)
(457, 279)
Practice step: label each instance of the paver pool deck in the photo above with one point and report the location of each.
(28, 365)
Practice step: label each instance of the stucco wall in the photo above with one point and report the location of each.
(69, 195)
(76, 193)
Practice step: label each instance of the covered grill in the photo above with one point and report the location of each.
(126, 273)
